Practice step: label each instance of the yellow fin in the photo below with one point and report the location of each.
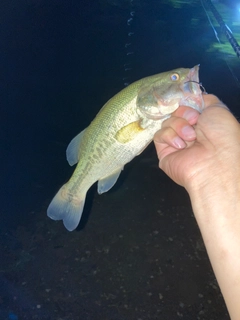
(128, 132)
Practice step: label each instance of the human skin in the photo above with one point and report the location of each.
(201, 152)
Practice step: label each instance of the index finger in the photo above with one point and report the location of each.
(187, 113)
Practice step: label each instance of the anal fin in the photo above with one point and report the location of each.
(106, 183)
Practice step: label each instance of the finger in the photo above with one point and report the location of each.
(213, 101)
(168, 137)
(164, 152)
(181, 128)
(210, 99)
(188, 113)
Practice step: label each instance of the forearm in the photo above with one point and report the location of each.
(217, 211)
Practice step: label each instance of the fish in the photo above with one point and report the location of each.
(121, 130)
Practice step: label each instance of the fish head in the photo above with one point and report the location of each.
(162, 94)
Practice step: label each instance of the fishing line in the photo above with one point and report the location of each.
(129, 51)
(219, 41)
(200, 85)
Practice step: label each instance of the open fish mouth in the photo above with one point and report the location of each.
(192, 91)
(178, 87)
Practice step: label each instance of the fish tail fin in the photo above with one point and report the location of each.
(66, 207)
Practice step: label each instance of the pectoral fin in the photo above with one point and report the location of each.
(72, 151)
(128, 132)
(108, 182)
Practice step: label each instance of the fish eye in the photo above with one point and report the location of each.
(175, 77)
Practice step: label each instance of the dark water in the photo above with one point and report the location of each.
(138, 253)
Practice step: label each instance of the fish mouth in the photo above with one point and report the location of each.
(159, 100)
(192, 92)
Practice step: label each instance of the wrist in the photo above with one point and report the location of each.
(217, 195)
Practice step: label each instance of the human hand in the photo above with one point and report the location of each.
(195, 149)
(202, 152)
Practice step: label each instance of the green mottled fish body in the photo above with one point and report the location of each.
(107, 148)
(122, 129)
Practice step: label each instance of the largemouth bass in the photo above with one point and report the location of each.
(122, 129)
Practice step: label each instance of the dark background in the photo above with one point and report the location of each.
(60, 62)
